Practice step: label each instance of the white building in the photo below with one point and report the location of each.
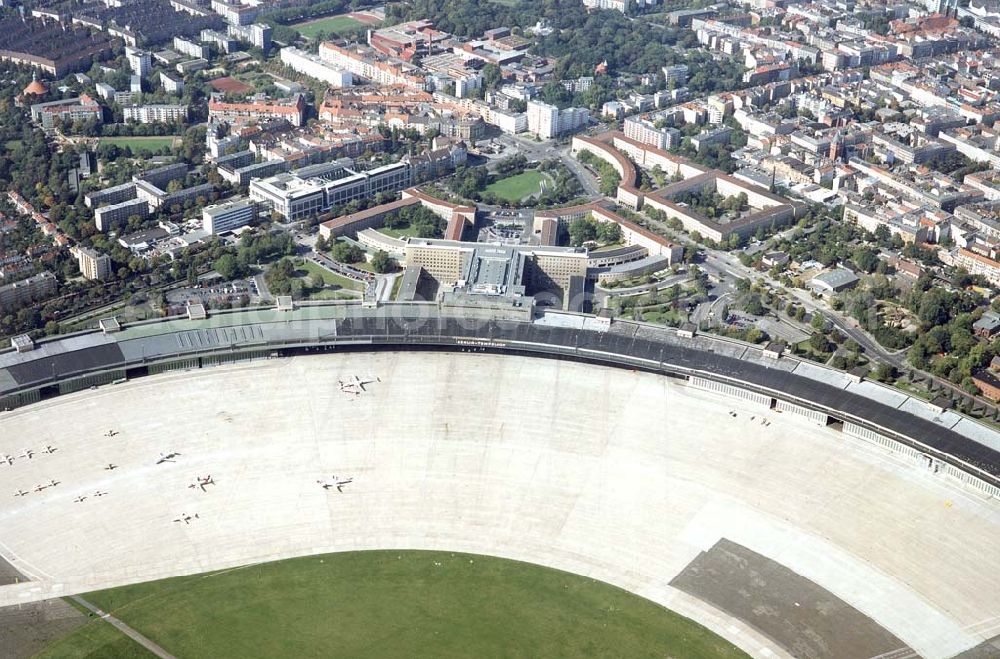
(508, 122)
(547, 121)
(171, 85)
(258, 34)
(645, 131)
(295, 198)
(148, 114)
(228, 216)
(138, 60)
(677, 74)
(314, 67)
(105, 91)
(191, 48)
(93, 266)
(616, 5)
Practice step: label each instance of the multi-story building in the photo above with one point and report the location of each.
(257, 34)
(645, 131)
(547, 121)
(190, 48)
(148, 114)
(108, 217)
(222, 41)
(112, 195)
(236, 13)
(138, 60)
(492, 270)
(978, 264)
(27, 290)
(66, 110)
(295, 196)
(171, 85)
(315, 67)
(292, 110)
(677, 74)
(229, 216)
(93, 265)
(105, 91)
(615, 5)
(364, 62)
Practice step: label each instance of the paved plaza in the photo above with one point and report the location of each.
(622, 476)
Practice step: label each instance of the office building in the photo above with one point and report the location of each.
(229, 216)
(304, 194)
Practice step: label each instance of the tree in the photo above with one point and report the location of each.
(819, 343)
(885, 372)
(754, 307)
(227, 266)
(818, 322)
(347, 253)
(866, 259)
(381, 262)
(582, 230)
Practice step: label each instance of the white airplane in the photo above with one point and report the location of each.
(28, 453)
(333, 481)
(21, 493)
(49, 450)
(111, 467)
(52, 483)
(169, 457)
(9, 459)
(80, 499)
(202, 482)
(111, 433)
(186, 518)
(39, 488)
(355, 385)
(99, 493)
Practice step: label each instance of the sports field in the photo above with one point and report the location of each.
(337, 24)
(392, 604)
(519, 186)
(142, 144)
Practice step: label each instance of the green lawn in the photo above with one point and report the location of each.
(402, 604)
(516, 188)
(330, 278)
(141, 144)
(400, 232)
(95, 640)
(338, 24)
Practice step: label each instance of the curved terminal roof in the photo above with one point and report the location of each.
(960, 440)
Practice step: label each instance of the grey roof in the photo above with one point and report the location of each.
(945, 433)
(837, 278)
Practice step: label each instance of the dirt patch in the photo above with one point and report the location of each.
(27, 629)
(804, 618)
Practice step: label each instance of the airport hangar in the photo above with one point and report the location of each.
(895, 462)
